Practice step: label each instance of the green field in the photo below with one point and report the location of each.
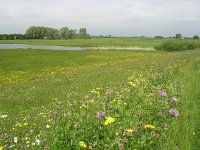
(97, 42)
(50, 99)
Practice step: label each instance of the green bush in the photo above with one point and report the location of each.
(176, 46)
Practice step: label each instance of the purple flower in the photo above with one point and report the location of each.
(174, 99)
(100, 115)
(109, 91)
(163, 94)
(174, 112)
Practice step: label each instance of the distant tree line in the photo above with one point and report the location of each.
(178, 36)
(40, 32)
(11, 36)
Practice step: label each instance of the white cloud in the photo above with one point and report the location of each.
(117, 17)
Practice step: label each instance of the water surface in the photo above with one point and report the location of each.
(26, 46)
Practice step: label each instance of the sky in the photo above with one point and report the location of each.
(104, 17)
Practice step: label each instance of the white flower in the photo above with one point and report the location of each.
(48, 126)
(3, 116)
(37, 141)
(15, 139)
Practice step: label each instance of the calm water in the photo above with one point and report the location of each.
(26, 46)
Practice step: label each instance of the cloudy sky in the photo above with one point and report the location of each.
(115, 17)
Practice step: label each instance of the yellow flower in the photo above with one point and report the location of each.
(129, 130)
(132, 84)
(25, 124)
(18, 125)
(109, 120)
(149, 126)
(117, 133)
(1, 148)
(82, 144)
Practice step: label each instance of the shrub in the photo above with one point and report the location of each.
(176, 46)
(196, 37)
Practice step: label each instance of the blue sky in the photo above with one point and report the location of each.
(115, 17)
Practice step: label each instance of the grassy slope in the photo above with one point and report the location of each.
(30, 78)
(184, 132)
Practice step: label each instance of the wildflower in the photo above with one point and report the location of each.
(116, 133)
(37, 141)
(109, 91)
(15, 139)
(174, 99)
(129, 132)
(149, 126)
(3, 116)
(174, 112)
(82, 144)
(109, 120)
(1, 148)
(100, 115)
(131, 84)
(163, 94)
(47, 126)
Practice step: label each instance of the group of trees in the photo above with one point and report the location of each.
(11, 36)
(40, 32)
(178, 36)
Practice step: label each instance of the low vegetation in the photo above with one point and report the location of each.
(99, 99)
(178, 45)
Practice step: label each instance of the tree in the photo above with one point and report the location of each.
(72, 33)
(179, 36)
(64, 32)
(51, 33)
(67, 33)
(196, 37)
(83, 33)
(158, 37)
(41, 32)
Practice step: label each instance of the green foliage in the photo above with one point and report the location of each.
(40, 32)
(11, 36)
(177, 45)
(83, 33)
(179, 36)
(67, 33)
(196, 37)
(158, 37)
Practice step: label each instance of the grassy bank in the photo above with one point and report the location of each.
(53, 99)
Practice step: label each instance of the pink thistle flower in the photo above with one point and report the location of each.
(109, 91)
(174, 99)
(174, 112)
(100, 115)
(163, 94)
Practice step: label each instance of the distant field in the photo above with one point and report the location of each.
(95, 42)
(51, 98)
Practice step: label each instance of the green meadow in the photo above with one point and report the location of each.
(99, 99)
(98, 42)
